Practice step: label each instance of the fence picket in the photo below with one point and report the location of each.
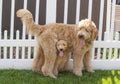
(98, 53)
(29, 48)
(116, 36)
(100, 24)
(110, 54)
(116, 49)
(90, 9)
(112, 19)
(101, 20)
(12, 25)
(1, 19)
(25, 4)
(36, 21)
(93, 53)
(34, 54)
(24, 31)
(77, 11)
(37, 11)
(17, 48)
(12, 19)
(23, 52)
(29, 52)
(0, 23)
(115, 53)
(65, 11)
(5, 48)
(11, 52)
(108, 16)
(0, 53)
(104, 53)
(51, 11)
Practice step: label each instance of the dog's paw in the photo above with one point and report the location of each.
(35, 69)
(44, 71)
(90, 70)
(55, 72)
(52, 76)
(78, 73)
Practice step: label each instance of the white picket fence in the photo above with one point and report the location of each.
(19, 53)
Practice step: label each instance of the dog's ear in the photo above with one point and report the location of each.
(94, 31)
(56, 40)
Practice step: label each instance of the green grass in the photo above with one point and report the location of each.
(29, 77)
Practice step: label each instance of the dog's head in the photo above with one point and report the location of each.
(24, 14)
(61, 47)
(87, 31)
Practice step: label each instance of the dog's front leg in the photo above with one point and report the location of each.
(87, 61)
(77, 63)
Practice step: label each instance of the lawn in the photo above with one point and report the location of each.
(29, 77)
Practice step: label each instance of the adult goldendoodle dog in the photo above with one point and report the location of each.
(79, 38)
(62, 56)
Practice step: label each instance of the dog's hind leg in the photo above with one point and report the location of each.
(50, 55)
(38, 61)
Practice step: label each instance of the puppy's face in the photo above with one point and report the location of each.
(62, 45)
(87, 31)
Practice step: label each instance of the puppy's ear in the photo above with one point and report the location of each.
(94, 31)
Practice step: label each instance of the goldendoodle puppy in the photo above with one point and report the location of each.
(63, 56)
(79, 38)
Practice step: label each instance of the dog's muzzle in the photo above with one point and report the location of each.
(61, 49)
(81, 36)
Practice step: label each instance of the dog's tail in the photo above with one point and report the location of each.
(27, 19)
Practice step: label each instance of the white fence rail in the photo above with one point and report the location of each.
(19, 53)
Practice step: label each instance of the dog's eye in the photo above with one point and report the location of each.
(86, 30)
(63, 44)
(80, 28)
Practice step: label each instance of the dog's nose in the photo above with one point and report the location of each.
(81, 36)
(61, 49)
